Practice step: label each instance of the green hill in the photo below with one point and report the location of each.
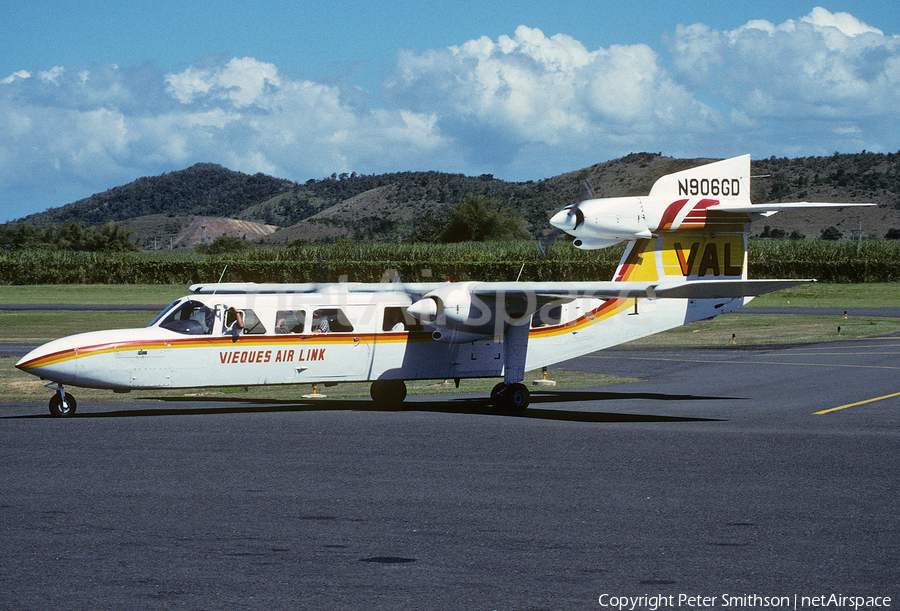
(395, 206)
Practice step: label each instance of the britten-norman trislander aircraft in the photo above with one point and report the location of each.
(686, 260)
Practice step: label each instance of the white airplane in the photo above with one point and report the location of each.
(686, 260)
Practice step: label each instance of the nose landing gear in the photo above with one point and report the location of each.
(62, 404)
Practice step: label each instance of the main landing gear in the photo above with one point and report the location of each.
(505, 398)
(388, 393)
(510, 398)
(62, 404)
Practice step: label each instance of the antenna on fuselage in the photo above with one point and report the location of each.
(222, 275)
(521, 269)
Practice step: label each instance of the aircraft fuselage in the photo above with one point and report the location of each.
(368, 336)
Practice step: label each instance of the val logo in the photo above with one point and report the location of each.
(715, 259)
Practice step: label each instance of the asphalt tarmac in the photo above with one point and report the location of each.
(716, 477)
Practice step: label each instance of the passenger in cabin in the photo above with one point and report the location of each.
(393, 320)
(331, 320)
(234, 323)
(320, 323)
(287, 321)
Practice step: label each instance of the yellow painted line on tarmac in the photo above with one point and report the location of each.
(841, 348)
(740, 362)
(845, 353)
(834, 409)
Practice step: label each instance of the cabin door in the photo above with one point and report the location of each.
(340, 345)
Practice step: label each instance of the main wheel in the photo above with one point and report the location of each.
(510, 399)
(517, 398)
(388, 393)
(62, 408)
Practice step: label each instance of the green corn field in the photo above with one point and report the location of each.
(827, 261)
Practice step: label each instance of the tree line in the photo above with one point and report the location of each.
(111, 237)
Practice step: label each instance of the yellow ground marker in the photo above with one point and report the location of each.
(834, 409)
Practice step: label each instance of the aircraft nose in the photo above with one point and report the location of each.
(52, 361)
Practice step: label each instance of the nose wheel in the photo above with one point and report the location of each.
(62, 404)
(510, 398)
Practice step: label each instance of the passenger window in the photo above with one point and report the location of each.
(330, 320)
(191, 318)
(398, 319)
(252, 324)
(548, 315)
(290, 321)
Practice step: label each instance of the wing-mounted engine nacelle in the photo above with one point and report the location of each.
(598, 223)
(455, 314)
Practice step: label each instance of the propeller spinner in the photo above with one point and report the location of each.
(568, 219)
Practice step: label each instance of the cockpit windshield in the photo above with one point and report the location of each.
(163, 312)
(187, 317)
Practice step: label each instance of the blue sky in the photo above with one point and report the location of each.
(94, 94)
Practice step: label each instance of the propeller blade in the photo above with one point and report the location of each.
(588, 189)
(579, 217)
(546, 242)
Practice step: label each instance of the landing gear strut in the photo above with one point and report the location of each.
(62, 404)
(510, 398)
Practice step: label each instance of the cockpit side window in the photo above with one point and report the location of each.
(190, 318)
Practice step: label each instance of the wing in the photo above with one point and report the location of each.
(688, 289)
(542, 291)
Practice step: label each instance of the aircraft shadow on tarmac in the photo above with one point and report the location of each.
(478, 406)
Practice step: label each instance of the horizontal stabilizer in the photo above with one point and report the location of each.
(779, 207)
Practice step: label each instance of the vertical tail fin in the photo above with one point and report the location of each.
(694, 235)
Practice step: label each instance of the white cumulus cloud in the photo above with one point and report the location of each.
(846, 23)
(827, 80)
(532, 89)
(243, 82)
(87, 130)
